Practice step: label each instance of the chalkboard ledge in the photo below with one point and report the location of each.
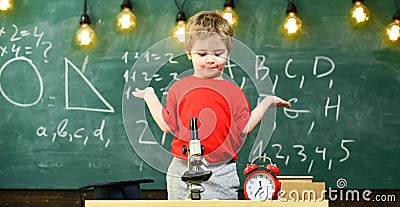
(116, 190)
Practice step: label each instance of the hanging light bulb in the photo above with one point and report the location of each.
(6, 5)
(126, 20)
(392, 31)
(229, 14)
(179, 30)
(85, 36)
(292, 25)
(359, 14)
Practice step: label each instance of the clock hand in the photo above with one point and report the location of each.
(255, 195)
(258, 188)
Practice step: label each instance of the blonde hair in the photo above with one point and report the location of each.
(205, 24)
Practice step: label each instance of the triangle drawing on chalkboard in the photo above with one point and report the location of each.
(81, 85)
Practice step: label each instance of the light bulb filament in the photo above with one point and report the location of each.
(360, 15)
(6, 5)
(291, 26)
(85, 36)
(393, 32)
(126, 20)
(179, 31)
(230, 16)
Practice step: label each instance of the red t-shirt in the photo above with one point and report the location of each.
(222, 111)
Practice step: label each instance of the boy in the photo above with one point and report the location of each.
(221, 107)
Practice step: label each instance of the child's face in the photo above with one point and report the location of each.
(208, 56)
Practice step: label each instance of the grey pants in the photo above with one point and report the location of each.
(223, 184)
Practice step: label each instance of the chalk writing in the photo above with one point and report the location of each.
(258, 148)
(293, 113)
(69, 64)
(323, 67)
(39, 79)
(287, 69)
(17, 44)
(22, 53)
(99, 164)
(303, 153)
(337, 106)
(49, 163)
(315, 68)
(49, 45)
(63, 132)
(260, 60)
(2, 31)
(145, 128)
(145, 75)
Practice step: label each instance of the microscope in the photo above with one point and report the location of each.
(197, 172)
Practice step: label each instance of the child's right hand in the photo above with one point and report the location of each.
(141, 93)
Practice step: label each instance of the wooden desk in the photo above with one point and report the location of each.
(302, 189)
(203, 203)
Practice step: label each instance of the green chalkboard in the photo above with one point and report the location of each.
(67, 118)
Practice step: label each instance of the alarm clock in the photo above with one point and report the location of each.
(261, 182)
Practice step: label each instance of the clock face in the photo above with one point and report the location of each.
(259, 186)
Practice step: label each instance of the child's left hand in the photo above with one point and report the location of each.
(277, 102)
